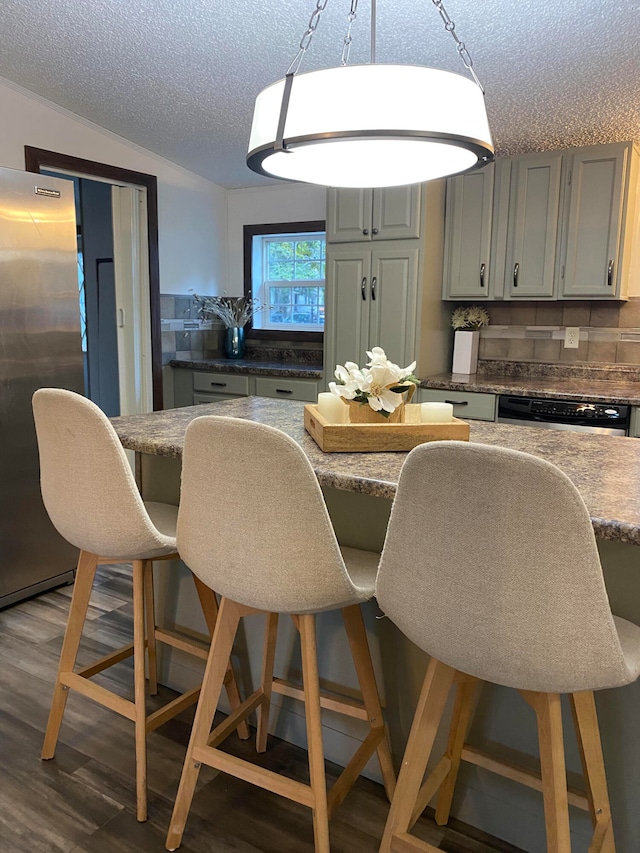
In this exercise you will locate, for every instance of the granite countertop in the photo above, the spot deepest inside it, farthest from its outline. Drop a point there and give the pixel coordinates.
(603, 468)
(293, 370)
(621, 390)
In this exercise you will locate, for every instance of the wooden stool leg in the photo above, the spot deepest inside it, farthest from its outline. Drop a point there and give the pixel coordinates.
(139, 688)
(85, 574)
(317, 777)
(150, 617)
(460, 722)
(221, 646)
(209, 604)
(357, 635)
(583, 708)
(552, 766)
(431, 703)
(268, 661)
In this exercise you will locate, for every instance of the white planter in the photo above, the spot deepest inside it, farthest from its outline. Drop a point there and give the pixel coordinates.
(465, 352)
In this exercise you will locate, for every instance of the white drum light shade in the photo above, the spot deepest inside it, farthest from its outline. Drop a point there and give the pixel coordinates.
(371, 126)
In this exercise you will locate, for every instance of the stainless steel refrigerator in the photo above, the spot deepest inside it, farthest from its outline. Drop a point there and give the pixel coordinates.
(40, 346)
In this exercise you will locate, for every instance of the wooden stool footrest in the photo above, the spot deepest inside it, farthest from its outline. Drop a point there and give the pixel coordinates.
(172, 709)
(186, 644)
(430, 786)
(267, 779)
(354, 768)
(99, 694)
(330, 702)
(531, 778)
(408, 844)
(235, 719)
(107, 661)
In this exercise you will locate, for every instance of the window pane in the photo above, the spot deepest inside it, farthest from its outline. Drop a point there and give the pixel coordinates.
(281, 270)
(309, 249)
(281, 251)
(308, 270)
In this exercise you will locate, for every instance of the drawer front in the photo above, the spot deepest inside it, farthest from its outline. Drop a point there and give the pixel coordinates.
(287, 389)
(466, 405)
(221, 383)
(213, 398)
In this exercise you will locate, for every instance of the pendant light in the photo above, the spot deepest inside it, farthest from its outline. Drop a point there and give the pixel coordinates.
(372, 125)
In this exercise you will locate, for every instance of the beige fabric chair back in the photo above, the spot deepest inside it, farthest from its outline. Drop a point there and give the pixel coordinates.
(490, 565)
(87, 485)
(252, 522)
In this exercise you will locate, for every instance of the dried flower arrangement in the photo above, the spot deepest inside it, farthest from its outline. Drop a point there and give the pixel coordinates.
(469, 318)
(230, 310)
(380, 384)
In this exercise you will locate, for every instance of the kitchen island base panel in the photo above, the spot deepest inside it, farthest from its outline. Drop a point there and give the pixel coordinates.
(482, 799)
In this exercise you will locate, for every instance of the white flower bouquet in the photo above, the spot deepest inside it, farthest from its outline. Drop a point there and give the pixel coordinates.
(381, 384)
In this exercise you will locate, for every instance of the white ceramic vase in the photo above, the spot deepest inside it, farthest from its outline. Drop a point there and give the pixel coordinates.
(465, 352)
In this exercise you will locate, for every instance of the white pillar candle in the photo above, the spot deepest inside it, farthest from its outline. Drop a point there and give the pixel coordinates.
(332, 408)
(436, 413)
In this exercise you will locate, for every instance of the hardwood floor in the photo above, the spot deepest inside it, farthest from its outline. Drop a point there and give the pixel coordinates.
(83, 801)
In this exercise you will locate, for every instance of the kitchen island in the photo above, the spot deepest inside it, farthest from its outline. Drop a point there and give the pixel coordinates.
(359, 488)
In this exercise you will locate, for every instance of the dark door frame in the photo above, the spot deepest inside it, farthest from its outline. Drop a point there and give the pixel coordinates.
(37, 159)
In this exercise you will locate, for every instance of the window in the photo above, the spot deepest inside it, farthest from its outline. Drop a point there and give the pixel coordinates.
(287, 274)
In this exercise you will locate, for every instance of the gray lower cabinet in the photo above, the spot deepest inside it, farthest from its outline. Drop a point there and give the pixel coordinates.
(468, 405)
(194, 387)
(634, 427)
(287, 389)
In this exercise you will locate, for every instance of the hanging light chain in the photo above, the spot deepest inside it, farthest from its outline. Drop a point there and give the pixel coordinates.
(305, 41)
(346, 47)
(464, 54)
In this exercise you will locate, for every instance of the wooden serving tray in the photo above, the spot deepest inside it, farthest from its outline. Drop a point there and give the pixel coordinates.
(367, 438)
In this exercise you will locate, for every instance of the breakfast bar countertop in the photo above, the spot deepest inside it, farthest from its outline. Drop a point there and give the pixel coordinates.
(605, 469)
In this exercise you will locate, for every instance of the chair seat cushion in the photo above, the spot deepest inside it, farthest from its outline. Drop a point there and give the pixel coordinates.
(629, 635)
(362, 567)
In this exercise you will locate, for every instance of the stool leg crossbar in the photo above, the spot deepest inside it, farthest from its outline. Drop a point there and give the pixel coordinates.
(202, 747)
(145, 634)
(412, 794)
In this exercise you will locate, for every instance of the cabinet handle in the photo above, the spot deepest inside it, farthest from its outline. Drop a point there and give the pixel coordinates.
(482, 269)
(374, 230)
(284, 391)
(516, 273)
(374, 281)
(365, 231)
(219, 384)
(363, 289)
(458, 402)
(610, 274)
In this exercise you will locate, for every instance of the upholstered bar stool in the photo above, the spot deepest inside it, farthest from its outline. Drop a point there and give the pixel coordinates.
(273, 552)
(501, 582)
(93, 501)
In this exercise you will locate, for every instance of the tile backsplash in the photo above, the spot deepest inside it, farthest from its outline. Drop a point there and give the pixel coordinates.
(186, 337)
(534, 331)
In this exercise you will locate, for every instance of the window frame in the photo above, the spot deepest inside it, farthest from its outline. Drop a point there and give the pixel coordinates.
(251, 231)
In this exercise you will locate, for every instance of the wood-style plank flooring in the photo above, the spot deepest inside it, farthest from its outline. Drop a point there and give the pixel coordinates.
(83, 801)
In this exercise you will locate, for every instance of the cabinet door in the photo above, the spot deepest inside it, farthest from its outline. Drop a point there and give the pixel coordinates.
(394, 300)
(594, 227)
(469, 210)
(533, 226)
(348, 298)
(349, 215)
(396, 212)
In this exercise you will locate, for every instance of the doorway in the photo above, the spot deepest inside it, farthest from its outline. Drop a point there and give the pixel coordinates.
(130, 191)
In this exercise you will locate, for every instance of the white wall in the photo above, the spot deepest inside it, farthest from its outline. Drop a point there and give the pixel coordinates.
(191, 210)
(280, 203)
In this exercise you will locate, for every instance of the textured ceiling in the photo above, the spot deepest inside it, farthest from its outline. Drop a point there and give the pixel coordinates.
(179, 77)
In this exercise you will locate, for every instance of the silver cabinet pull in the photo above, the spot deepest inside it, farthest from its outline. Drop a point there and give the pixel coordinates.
(374, 281)
(458, 402)
(482, 269)
(284, 391)
(219, 384)
(365, 231)
(363, 288)
(610, 274)
(516, 273)
(374, 230)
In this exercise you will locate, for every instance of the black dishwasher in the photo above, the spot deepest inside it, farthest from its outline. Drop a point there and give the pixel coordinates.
(580, 416)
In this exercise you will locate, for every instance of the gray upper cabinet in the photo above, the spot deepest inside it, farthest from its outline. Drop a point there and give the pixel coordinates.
(532, 231)
(599, 218)
(469, 209)
(556, 225)
(360, 215)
